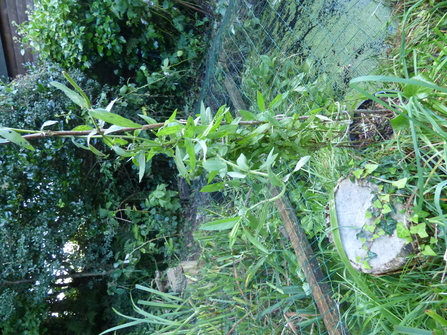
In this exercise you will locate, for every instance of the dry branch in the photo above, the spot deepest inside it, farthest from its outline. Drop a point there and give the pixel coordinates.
(84, 133)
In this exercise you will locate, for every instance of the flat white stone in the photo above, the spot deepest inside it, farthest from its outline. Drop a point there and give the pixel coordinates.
(352, 200)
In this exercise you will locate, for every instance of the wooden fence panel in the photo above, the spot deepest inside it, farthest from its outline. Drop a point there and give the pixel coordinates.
(14, 11)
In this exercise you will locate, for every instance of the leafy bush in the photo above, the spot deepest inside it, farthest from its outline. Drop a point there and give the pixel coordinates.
(118, 37)
(30, 100)
(59, 195)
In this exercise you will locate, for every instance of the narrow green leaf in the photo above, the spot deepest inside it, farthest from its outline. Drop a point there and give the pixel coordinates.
(15, 137)
(252, 270)
(411, 331)
(171, 118)
(298, 166)
(148, 119)
(435, 316)
(213, 187)
(211, 176)
(234, 233)
(118, 141)
(437, 202)
(223, 131)
(270, 118)
(79, 145)
(271, 308)
(201, 144)
(276, 102)
(205, 114)
(247, 116)
(160, 304)
(170, 130)
(260, 100)
(263, 217)
(47, 123)
(234, 174)
(189, 128)
(207, 130)
(228, 117)
(96, 151)
(189, 146)
(72, 95)
(110, 105)
(122, 326)
(141, 164)
(398, 80)
(167, 296)
(273, 178)
(82, 128)
(112, 129)
(115, 119)
(270, 159)
(220, 224)
(178, 159)
(122, 152)
(81, 92)
(255, 242)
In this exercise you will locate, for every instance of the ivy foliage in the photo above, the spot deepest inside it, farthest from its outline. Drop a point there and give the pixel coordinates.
(71, 223)
(121, 37)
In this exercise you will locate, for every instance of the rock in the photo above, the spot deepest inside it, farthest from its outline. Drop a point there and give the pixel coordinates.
(389, 252)
(176, 279)
(176, 275)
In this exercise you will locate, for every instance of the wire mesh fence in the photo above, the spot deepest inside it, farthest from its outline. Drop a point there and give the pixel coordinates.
(283, 275)
(310, 49)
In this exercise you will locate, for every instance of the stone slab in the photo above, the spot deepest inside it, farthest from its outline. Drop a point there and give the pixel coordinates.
(352, 200)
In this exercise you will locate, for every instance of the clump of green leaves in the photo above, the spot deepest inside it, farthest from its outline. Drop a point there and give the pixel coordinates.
(306, 89)
(125, 38)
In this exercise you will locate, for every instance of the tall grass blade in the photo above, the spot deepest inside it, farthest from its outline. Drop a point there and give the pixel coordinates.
(412, 331)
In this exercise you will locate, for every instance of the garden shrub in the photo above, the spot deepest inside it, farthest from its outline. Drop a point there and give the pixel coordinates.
(128, 38)
(58, 194)
(30, 100)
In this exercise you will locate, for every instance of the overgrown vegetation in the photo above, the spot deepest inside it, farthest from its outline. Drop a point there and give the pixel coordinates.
(252, 280)
(409, 165)
(82, 228)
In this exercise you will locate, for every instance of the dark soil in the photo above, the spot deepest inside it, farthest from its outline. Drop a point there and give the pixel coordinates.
(370, 124)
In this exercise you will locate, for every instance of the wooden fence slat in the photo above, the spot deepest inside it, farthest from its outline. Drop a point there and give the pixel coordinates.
(14, 10)
(321, 290)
